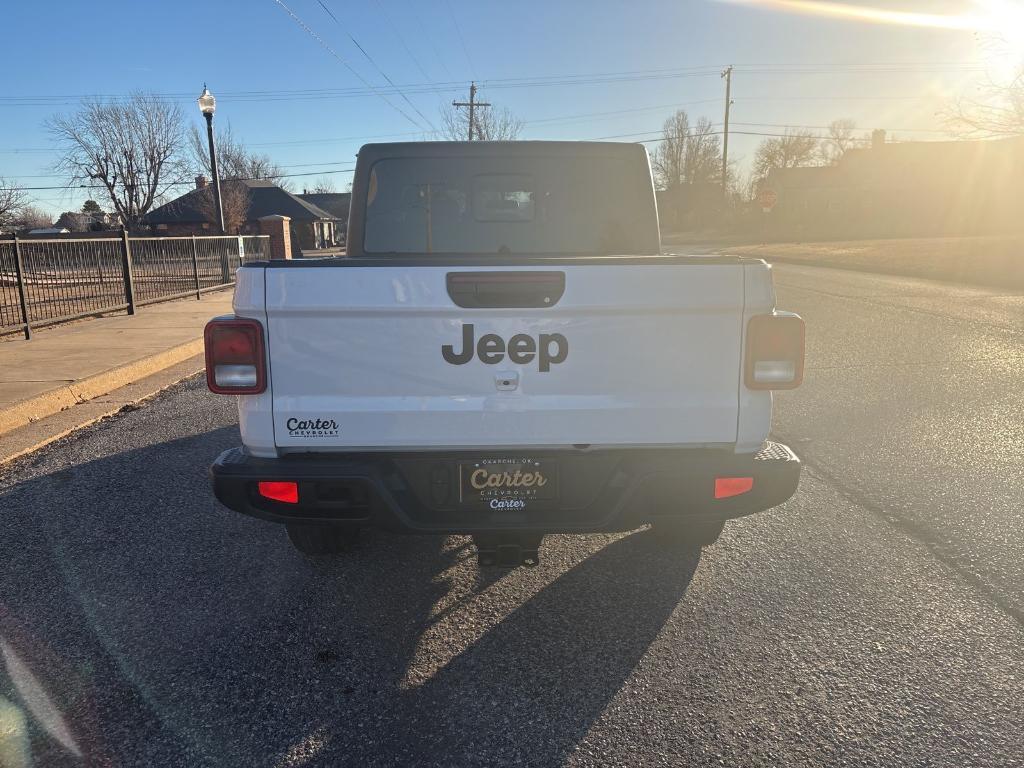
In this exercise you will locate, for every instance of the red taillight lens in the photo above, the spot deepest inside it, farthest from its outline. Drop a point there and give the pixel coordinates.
(280, 491)
(775, 351)
(235, 363)
(732, 486)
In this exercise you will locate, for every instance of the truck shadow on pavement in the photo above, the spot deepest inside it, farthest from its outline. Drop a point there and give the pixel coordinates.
(163, 629)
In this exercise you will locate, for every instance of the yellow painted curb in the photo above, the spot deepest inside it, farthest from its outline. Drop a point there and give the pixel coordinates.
(48, 403)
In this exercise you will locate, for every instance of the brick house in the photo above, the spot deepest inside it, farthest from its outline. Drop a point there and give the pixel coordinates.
(311, 226)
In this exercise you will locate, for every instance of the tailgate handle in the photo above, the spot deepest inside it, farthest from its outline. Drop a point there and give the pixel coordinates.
(506, 289)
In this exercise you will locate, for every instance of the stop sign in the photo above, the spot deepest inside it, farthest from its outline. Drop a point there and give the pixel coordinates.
(767, 198)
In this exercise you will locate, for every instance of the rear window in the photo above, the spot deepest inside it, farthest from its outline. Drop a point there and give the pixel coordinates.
(583, 204)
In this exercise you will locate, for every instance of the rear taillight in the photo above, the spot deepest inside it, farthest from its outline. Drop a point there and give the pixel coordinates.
(775, 351)
(727, 487)
(286, 492)
(235, 362)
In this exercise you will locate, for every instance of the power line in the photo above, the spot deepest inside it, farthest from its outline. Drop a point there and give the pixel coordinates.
(631, 110)
(17, 150)
(370, 90)
(832, 97)
(536, 121)
(329, 92)
(411, 5)
(711, 133)
(827, 127)
(707, 69)
(294, 165)
(345, 63)
(332, 139)
(183, 183)
(458, 30)
(401, 39)
(376, 66)
(499, 83)
(839, 69)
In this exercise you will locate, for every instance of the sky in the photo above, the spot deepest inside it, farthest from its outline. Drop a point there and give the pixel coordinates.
(302, 80)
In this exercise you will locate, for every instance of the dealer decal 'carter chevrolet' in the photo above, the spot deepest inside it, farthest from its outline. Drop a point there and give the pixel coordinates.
(311, 427)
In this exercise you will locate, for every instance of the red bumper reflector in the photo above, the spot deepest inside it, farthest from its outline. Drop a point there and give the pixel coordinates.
(732, 486)
(286, 492)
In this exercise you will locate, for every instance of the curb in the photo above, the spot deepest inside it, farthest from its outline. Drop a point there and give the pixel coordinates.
(48, 403)
(32, 437)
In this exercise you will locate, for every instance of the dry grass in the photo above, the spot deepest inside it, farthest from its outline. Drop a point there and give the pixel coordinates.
(988, 261)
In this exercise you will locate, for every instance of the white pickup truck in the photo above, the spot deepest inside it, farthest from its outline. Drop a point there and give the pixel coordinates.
(505, 353)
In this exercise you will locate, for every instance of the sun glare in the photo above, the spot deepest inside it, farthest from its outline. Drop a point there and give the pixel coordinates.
(998, 23)
(1004, 36)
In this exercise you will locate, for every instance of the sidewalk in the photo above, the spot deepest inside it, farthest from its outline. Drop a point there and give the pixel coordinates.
(64, 366)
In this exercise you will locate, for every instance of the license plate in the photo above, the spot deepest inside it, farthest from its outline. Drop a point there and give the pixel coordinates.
(513, 483)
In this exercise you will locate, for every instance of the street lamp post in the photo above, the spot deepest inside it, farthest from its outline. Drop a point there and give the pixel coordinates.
(207, 105)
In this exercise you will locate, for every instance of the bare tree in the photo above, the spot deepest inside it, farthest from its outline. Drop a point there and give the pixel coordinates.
(704, 154)
(234, 160)
(323, 185)
(31, 217)
(489, 124)
(795, 148)
(999, 112)
(132, 147)
(12, 200)
(234, 199)
(840, 140)
(998, 109)
(687, 155)
(669, 159)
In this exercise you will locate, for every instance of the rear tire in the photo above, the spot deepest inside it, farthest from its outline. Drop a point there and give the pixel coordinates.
(321, 539)
(694, 533)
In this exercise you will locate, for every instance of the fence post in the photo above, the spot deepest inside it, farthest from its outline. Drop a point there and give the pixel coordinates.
(195, 266)
(225, 265)
(19, 278)
(126, 268)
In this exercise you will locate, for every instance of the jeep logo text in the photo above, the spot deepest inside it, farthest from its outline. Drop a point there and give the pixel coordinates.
(549, 349)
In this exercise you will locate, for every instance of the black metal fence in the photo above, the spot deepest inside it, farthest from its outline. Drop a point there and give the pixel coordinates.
(43, 282)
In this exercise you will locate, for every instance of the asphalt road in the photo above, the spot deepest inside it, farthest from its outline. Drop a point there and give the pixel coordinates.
(874, 620)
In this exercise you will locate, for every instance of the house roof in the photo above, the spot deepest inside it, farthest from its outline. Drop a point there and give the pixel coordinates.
(265, 199)
(335, 203)
(861, 165)
(806, 176)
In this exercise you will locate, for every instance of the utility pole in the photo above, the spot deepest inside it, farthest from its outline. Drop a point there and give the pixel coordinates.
(472, 104)
(727, 74)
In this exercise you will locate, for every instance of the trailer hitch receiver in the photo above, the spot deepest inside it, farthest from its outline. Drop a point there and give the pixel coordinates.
(508, 550)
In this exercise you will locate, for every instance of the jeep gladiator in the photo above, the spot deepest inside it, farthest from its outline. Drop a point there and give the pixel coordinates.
(504, 352)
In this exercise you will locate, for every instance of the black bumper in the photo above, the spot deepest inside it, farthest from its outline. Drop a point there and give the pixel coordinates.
(605, 490)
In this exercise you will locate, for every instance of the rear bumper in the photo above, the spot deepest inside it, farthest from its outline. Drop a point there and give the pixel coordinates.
(607, 490)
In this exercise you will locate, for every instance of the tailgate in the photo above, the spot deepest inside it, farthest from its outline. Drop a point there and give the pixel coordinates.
(382, 357)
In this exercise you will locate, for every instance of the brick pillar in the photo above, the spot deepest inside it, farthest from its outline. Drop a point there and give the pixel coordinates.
(279, 228)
